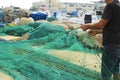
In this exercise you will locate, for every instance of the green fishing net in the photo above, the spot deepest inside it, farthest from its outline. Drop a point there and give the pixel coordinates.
(28, 59)
(50, 19)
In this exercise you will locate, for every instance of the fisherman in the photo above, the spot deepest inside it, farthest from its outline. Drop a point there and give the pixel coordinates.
(110, 23)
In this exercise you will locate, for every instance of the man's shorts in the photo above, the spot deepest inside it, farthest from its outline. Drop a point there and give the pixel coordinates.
(110, 61)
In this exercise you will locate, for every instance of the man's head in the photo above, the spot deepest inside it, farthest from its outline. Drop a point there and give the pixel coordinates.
(109, 1)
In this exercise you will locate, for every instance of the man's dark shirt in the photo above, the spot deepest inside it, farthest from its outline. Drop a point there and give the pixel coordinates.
(111, 31)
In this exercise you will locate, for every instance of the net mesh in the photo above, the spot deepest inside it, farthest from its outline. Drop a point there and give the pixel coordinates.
(28, 59)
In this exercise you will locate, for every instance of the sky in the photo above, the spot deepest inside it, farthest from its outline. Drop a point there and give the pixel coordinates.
(28, 3)
(18, 3)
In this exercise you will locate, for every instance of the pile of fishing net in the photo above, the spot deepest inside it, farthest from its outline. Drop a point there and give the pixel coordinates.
(10, 14)
(91, 41)
(54, 36)
(22, 62)
(28, 59)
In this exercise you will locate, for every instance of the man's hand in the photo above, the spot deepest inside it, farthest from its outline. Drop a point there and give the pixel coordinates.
(94, 31)
(84, 27)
